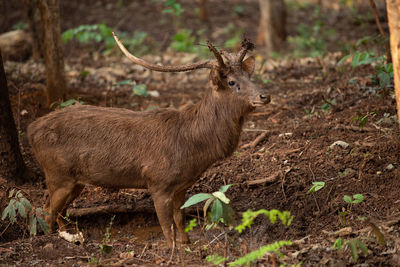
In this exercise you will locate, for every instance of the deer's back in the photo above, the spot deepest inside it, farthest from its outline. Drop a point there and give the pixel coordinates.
(96, 144)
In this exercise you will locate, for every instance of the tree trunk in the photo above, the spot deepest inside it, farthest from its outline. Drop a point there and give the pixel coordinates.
(203, 11)
(52, 49)
(12, 165)
(393, 11)
(272, 27)
(30, 10)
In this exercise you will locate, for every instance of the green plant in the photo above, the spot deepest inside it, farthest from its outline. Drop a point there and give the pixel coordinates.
(106, 245)
(384, 71)
(259, 253)
(67, 103)
(20, 25)
(192, 224)
(363, 119)
(172, 7)
(20, 205)
(327, 106)
(247, 219)
(338, 244)
(355, 244)
(357, 198)
(249, 216)
(384, 74)
(234, 36)
(220, 209)
(137, 89)
(101, 33)
(311, 40)
(238, 10)
(216, 259)
(316, 186)
(93, 260)
(185, 41)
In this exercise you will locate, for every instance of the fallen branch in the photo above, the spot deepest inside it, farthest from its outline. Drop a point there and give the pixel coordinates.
(270, 179)
(115, 208)
(256, 141)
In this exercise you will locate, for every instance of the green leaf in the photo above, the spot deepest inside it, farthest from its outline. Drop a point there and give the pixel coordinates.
(347, 199)
(5, 213)
(206, 205)
(340, 62)
(21, 209)
(140, 89)
(125, 82)
(316, 186)
(215, 259)
(338, 244)
(358, 198)
(353, 249)
(10, 195)
(221, 196)
(228, 214)
(363, 248)
(67, 103)
(196, 199)
(216, 211)
(11, 211)
(192, 224)
(224, 188)
(32, 226)
(43, 224)
(26, 203)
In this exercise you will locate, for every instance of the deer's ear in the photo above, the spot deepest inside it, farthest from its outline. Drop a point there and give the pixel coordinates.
(248, 65)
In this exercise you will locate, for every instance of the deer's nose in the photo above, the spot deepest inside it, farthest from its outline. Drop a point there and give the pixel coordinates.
(265, 98)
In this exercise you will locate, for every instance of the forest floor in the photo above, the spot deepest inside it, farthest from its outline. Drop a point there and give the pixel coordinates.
(314, 104)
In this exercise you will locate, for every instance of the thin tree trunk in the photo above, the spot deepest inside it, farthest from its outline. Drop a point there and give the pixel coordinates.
(272, 27)
(53, 54)
(30, 7)
(12, 165)
(393, 12)
(203, 11)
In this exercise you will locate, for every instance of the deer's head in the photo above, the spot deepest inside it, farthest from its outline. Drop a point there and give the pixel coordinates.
(227, 77)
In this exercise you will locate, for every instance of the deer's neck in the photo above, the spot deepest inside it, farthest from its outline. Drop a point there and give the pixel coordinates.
(215, 124)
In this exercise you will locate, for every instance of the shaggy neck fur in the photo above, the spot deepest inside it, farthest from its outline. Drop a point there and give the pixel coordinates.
(214, 124)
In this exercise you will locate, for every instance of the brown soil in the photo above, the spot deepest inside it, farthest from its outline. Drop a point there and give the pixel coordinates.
(296, 148)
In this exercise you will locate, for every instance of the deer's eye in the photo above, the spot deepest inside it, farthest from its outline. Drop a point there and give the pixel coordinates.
(231, 83)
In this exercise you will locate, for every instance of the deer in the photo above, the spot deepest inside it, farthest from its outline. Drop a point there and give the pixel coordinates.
(162, 150)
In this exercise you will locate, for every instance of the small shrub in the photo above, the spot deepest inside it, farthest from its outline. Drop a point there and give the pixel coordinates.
(316, 186)
(20, 205)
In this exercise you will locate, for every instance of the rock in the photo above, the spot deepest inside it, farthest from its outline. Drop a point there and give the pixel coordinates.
(16, 45)
(154, 93)
(48, 246)
(390, 167)
(342, 144)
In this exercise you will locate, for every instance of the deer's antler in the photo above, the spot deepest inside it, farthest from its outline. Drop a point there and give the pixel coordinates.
(246, 46)
(217, 55)
(204, 64)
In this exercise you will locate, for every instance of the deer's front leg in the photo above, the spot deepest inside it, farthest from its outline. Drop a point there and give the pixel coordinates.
(179, 216)
(163, 204)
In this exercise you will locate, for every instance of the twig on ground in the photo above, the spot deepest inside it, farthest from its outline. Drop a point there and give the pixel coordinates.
(256, 141)
(270, 179)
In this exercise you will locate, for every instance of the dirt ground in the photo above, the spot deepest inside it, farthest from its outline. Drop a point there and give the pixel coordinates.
(313, 106)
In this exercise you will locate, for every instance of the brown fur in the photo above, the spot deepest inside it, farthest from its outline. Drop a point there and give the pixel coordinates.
(164, 150)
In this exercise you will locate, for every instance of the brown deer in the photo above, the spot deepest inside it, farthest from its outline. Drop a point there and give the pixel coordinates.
(163, 150)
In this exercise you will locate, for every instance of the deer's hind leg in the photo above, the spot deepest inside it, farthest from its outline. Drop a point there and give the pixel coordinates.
(76, 191)
(59, 194)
